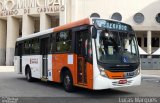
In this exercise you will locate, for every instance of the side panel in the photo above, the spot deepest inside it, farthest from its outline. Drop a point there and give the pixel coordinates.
(89, 76)
(62, 60)
(17, 64)
(35, 64)
(50, 74)
(70, 61)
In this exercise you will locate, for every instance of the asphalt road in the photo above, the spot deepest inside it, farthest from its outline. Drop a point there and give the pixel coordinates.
(14, 85)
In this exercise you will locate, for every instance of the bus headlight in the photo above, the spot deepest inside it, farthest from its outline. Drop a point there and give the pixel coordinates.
(102, 71)
(132, 74)
(138, 70)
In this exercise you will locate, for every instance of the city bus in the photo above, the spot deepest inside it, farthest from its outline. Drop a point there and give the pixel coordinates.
(91, 53)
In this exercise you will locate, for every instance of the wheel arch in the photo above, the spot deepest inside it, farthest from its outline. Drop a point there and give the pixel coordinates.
(27, 67)
(63, 70)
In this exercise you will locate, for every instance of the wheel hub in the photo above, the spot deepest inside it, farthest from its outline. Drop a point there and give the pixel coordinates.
(67, 81)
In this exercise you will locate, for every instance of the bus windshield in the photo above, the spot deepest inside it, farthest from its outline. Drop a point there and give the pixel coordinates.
(116, 47)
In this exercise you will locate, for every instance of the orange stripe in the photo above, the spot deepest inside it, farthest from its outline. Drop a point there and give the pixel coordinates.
(71, 25)
(115, 75)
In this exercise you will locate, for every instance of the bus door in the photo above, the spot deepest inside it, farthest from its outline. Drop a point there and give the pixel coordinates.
(20, 48)
(44, 53)
(81, 57)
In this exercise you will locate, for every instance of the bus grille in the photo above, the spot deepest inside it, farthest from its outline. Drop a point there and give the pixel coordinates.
(122, 69)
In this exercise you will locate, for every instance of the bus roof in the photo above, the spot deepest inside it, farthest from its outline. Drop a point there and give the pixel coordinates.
(72, 24)
(56, 29)
(59, 28)
(35, 34)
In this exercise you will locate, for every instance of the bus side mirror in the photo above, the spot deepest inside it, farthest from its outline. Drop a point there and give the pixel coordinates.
(93, 31)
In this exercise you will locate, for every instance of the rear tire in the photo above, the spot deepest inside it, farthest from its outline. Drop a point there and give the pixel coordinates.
(28, 75)
(68, 82)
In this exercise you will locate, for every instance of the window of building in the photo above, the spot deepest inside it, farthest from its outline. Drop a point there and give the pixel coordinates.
(139, 41)
(158, 17)
(54, 21)
(36, 24)
(95, 15)
(138, 18)
(116, 16)
(145, 42)
(63, 41)
(20, 27)
(155, 42)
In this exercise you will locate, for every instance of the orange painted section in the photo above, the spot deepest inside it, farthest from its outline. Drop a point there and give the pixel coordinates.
(58, 62)
(89, 76)
(114, 75)
(61, 60)
(71, 25)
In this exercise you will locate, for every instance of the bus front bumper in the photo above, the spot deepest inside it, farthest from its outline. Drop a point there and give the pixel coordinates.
(100, 82)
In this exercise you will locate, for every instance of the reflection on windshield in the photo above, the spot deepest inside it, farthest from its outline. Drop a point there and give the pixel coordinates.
(116, 47)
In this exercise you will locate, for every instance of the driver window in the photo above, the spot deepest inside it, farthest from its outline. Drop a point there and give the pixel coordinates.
(108, 43)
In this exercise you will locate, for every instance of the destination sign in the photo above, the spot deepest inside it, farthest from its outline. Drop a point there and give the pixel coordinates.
(112, 25)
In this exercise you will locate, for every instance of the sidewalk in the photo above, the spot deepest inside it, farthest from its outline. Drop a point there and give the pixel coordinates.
(151, 72)
(6, 68)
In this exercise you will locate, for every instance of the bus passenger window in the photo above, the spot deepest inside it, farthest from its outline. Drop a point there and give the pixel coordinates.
(27, 48)
(35, 46)
(63, 41)
(52, 43)
(16, 49)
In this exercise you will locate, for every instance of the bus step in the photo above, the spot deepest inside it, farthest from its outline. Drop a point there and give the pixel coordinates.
(44, 79)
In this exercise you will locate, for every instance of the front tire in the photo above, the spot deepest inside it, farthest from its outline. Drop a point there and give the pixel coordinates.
(68, 82)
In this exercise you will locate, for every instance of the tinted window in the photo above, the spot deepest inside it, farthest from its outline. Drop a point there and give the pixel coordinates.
(84, 45)
(63, 41)
(52, 43)
(19, 49)
(26, 47)
(16, 50)
(35, 46)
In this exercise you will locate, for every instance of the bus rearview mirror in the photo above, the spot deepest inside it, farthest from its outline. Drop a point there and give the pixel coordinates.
(93, 31)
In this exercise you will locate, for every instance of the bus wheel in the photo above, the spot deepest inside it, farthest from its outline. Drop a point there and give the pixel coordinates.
(68, 82)
(28, 75)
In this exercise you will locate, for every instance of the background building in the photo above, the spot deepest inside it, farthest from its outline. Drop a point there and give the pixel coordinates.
(24, 17)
